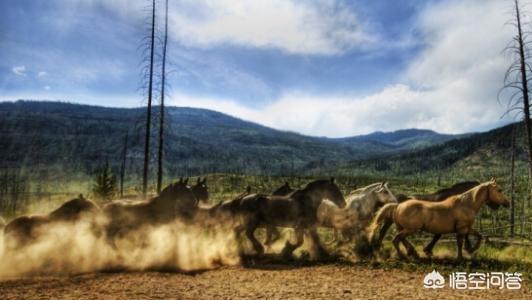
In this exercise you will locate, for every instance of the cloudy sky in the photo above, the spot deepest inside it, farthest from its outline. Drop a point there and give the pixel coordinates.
(325, 67)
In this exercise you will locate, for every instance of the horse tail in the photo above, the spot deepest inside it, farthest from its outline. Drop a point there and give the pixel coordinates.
(383, 217)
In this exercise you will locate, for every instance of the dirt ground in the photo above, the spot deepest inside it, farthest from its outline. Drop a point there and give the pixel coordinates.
(330, 281)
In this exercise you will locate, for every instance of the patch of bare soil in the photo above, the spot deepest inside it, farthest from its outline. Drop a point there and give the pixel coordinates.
(255, 280)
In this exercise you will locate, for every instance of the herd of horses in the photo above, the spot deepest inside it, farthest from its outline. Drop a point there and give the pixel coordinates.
(367, 211)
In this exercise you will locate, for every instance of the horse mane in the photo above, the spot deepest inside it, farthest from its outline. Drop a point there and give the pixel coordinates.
(365, 189)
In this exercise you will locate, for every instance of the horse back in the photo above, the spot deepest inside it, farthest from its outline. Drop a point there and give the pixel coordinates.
(73, 209)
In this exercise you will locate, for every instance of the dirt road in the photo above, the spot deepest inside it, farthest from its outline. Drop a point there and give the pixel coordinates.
(271, 282)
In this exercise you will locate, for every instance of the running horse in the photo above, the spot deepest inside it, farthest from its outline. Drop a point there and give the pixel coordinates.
(455, 214)
(175, 201)
(297, 210)
(24, 230)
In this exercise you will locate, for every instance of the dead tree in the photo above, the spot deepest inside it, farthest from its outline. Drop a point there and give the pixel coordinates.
(148, 112)
(123, 166)
(517, 79)
(512, 177)
(161, 117)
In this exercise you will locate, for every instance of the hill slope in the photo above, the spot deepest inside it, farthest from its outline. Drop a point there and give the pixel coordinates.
(487, 152)
(62, 138)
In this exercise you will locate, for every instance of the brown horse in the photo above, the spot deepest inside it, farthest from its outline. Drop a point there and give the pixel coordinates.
(440, 195)
(176, 200)
(23, 230)
(272, 233)
(297, 210)
(455, 214)
(201, 191)
(284, 190)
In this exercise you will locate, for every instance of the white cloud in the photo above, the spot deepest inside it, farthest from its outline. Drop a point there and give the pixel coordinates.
(19, 70)
(450, 87)
(303, 27)
(42, 74)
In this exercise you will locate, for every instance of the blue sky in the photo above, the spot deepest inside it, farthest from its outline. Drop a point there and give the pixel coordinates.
(324, 67)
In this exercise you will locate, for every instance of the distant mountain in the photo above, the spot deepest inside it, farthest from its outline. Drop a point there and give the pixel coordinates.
(470, 155)
(59, 139)
(405, 138)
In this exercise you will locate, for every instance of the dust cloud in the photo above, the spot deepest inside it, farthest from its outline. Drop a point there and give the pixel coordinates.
(76, 247)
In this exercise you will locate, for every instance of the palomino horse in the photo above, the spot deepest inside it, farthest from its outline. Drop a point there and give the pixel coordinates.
(2, 223)
(442, 194)
(365, 202)
(455, 214)
(297, 210)
(23, 230)
(201, 190)
(176, 200)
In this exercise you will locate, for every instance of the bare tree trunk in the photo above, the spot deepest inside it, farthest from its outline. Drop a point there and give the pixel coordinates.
(512, 176)
(526, 101)
(148, 113)
(123, 166)
(161, 118)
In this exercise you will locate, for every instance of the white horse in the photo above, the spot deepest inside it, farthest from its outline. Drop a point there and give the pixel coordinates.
(365, 202)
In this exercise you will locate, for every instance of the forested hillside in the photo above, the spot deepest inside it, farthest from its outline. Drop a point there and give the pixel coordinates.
(63, 139)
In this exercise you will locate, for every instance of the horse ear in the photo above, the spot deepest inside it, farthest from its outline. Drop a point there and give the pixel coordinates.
(198, 181)
(180, 179)
(186, 181)
(205, 180)
(383, 183)
(332, 179)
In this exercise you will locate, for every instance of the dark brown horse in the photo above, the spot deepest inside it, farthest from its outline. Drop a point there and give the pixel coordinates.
(297, 210)
(272, 233)
(201, 191)
(23, 230)
(441, 194)
(284, 190)
(175, 201)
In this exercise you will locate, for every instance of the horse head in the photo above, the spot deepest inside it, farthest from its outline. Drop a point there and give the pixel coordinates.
(325, 189)
(384, 194)
(179, 195)
(283, 190)
(495, 196)
(201, 190)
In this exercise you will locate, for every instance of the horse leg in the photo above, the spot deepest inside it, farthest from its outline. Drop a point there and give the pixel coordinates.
(272, 235)
(401, 238)
(459, 244)
(430, 246)
(317, 244)
(410, 248)
(470, 249)
(383, 231)
(289, 247)
(250, 233)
